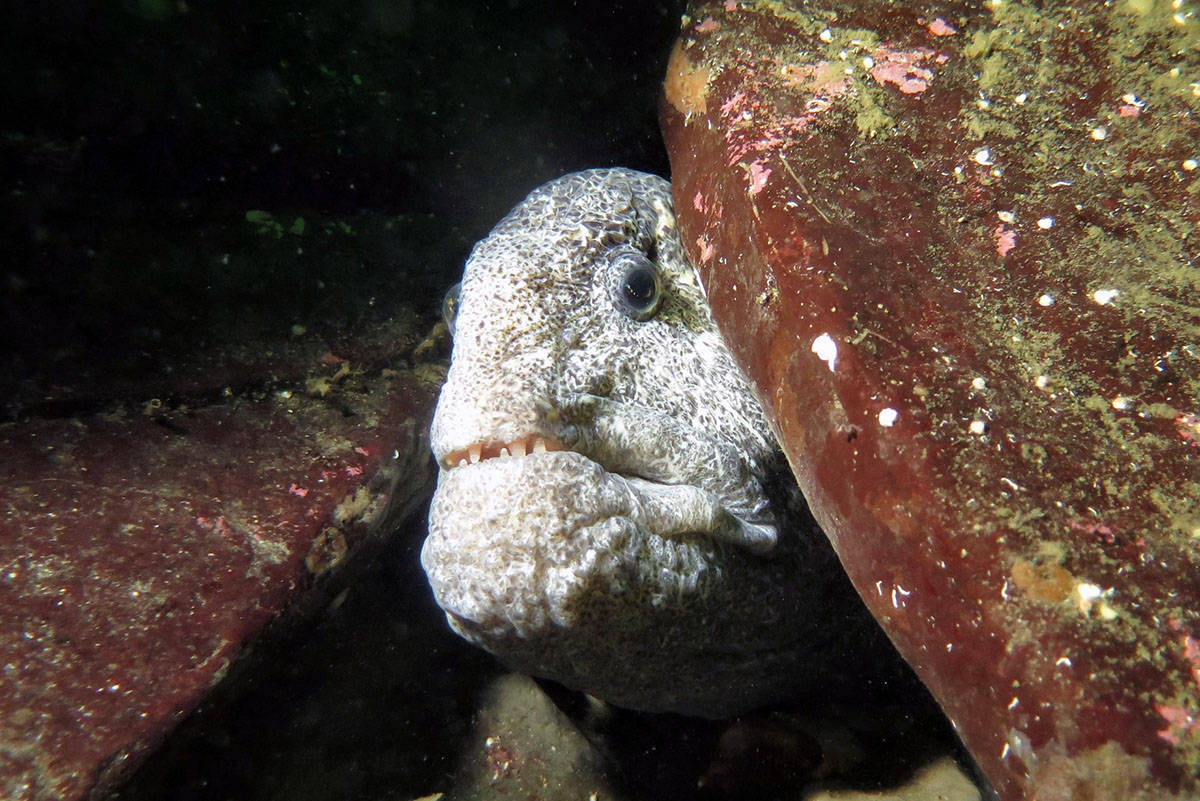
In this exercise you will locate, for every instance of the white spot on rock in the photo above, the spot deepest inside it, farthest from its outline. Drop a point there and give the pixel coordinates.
(1105, 296)
(888, 417)
(826, 350)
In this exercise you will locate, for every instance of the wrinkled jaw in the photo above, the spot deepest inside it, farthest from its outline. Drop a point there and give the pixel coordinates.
(524, 545)
(565, 555)
(553, 508)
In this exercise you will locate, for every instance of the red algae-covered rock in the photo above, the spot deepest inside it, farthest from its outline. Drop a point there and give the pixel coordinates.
(141, 553)
(954, 246)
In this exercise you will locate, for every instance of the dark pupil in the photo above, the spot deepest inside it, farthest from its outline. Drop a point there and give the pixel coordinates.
(639, 288)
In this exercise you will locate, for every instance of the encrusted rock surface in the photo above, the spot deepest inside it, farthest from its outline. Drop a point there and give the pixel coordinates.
(954, 245)
(142, 551)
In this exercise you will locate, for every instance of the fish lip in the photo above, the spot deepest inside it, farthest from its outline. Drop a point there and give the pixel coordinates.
(485, 449)
(757, 520)
(658, 509)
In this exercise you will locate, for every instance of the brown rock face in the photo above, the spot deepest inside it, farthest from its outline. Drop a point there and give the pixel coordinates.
(955, 248)
(141, 556)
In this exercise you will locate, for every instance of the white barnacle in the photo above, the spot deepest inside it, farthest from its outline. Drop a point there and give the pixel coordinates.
(826, 349)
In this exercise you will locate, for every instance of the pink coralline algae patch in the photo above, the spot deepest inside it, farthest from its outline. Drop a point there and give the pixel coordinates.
(745, 133)
(939, 27)
(1088, 527)
(822, 82)
(905, 69)
(1116, 544)
(735, 105)
(1180, 723)
(1191, 650)
(1189, 429)
(1006, 240)
(701, 205)
(821, 78)
(1129, 110)
(705, 247)
(758, 177)
(708, 25)
(741, 146)
(217, 524)
(297, 490)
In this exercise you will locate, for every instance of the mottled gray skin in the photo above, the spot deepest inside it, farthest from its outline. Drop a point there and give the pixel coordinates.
(654, 562)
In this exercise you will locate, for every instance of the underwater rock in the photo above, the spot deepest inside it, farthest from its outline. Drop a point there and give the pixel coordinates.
(142, 553)
(953, 246)
(523, 746)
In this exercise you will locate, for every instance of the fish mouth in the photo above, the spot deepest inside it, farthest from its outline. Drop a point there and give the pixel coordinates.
(679, 474)
(490, 449)
(677, 504)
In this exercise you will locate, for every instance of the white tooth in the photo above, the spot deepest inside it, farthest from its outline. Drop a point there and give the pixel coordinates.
(518, 448)
(474, 452)
(539, 445)
(504, 452)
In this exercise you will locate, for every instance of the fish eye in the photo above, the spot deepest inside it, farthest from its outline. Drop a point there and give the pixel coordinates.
(638, 286)
(450, 306)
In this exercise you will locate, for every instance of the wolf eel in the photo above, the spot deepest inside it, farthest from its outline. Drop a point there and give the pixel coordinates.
(612, 510)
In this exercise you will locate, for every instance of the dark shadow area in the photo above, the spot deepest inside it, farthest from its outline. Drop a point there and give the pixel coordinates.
(372, 700)
(188, 186)
(872, 747)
